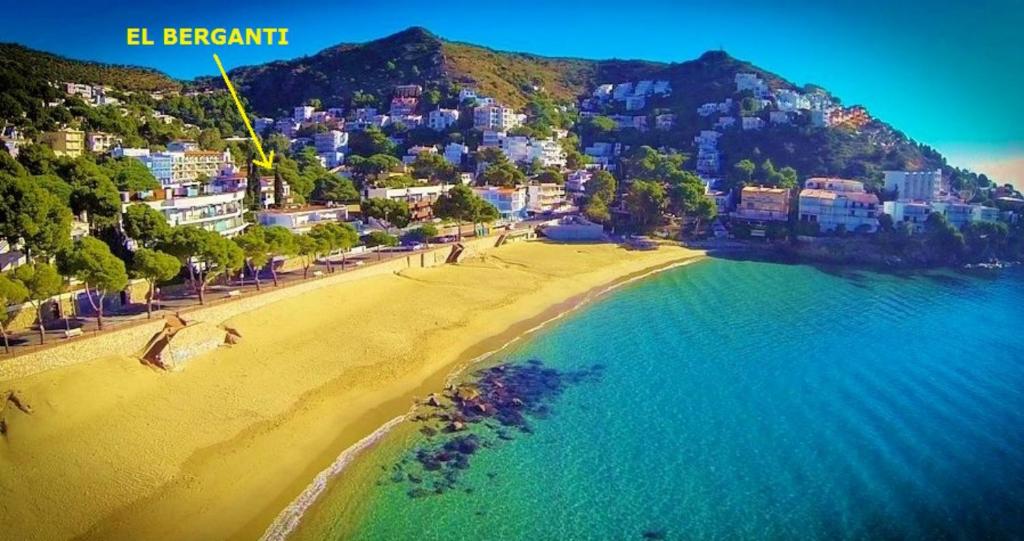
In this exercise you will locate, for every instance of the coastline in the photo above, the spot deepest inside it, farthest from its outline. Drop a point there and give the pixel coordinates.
(170, 456)
(289, 519)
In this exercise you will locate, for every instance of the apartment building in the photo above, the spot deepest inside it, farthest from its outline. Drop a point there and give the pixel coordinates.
(66, 142)
(419, 198)
(100, 142)
(217, 206)
(758, 204)
(544, 197)
(510, 202)
(839, 204)
(496, 117)
(914, 185)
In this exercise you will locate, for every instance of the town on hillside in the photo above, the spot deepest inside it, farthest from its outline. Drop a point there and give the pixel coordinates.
(104, 187)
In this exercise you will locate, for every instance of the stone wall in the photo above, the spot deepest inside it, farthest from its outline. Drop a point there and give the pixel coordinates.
(131, 340)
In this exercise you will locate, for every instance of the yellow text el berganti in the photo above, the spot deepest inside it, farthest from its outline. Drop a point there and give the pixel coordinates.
(199, 36)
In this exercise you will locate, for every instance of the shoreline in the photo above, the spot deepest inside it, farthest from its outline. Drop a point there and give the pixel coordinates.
(173, 455)
(290, 518)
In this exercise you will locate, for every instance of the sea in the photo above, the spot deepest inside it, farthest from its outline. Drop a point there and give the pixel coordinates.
(727, 399)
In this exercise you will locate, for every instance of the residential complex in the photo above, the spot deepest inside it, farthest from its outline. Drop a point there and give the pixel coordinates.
(914, 186)
(66, 142)
(510, 202)
(758, 204)
(838, 204)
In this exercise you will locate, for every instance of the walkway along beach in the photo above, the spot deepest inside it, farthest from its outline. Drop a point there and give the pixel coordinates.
(114, 449)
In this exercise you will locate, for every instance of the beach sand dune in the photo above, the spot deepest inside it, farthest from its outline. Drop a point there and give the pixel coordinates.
(114, 449)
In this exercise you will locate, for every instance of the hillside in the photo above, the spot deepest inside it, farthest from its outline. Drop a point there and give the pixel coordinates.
(18, 63)
(365, 74)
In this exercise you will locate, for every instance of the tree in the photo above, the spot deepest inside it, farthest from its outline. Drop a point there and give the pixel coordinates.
(596, 210)
(154, 266)
(741, 174)
(375, 165)
(504, 174)
(92, 192)
(207, 255)
(602, 186)
(254, 246)
(462, 205)
(130, 175)
(42, 281)
(381, 238)
(145, 224)
(422, 234)
(34, 216)
(945, 244)
(253, 188)
(307, 248)
(278, 188)
(371, 141)
(12, 291)
(334, 189)
(103, 273)
(550, 176)
(434, 168)
(210, 139)
(280, 242)
(645, 201)
(392, 211)
(332, 236)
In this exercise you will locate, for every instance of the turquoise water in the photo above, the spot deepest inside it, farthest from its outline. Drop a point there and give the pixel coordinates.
(744, 400)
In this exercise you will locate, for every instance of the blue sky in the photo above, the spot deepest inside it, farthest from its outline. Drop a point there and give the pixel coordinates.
(947, 73)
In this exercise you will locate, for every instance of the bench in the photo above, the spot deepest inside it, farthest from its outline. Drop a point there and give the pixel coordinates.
(71, 333)
(233, 293)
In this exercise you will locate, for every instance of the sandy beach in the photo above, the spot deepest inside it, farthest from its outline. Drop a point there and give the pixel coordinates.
(118, 450)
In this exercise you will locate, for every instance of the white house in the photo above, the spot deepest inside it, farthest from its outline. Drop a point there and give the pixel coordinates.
(302, 113)
(752, 123)
(442, 119)
(635, 103)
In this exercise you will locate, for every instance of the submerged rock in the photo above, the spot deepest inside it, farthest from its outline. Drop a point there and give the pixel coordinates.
(499, 398)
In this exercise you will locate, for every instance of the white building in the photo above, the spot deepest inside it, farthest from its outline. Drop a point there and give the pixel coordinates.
(752, 123)
(177, 167)
(302, 219)
(217, 206)
(643, 88)
(622, 91)
(467, 94)
(260, 124)
(914, 185)
(725, 122)
(548, 152)
(635, 103)
(664, 121)
(454, 153)
(442, 119)
(496, 117)
(330, 141)
(576, 182)
(832, 203)
(544, 197)
(603, 92)
(957, 213)
(302, 113)
(662, 88)
(778, 117)
(791, 101)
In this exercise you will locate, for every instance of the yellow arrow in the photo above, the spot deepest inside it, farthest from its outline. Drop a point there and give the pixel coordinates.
(264, 161)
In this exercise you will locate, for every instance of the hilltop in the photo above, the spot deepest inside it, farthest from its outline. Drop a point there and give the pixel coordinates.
(19, 64)
(359, 74)
(417, 56)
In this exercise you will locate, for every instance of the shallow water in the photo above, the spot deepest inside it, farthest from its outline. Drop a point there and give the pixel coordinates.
(745, 400)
